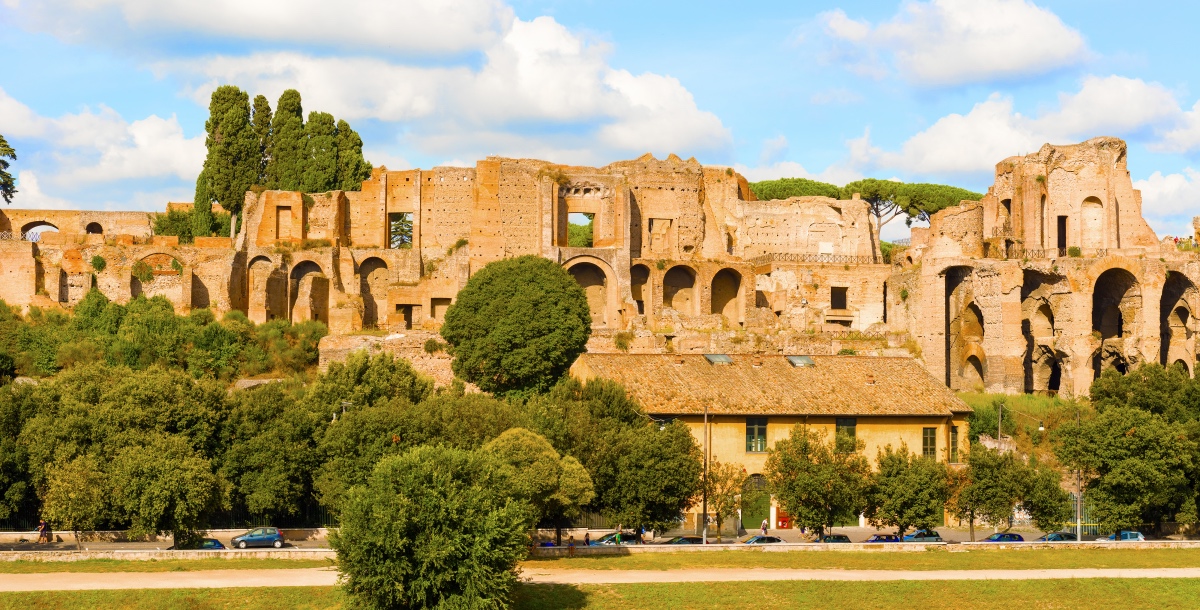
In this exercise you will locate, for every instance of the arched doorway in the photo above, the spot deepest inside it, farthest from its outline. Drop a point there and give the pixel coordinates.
(595, 285)
(726, 285)
(32, 231)
(1092, 223)
(1116, 308)
(679, 290)
(308, 291)
(93, 228)
(639, 283)
(1175, 309)
(373, 283)
(266, 291)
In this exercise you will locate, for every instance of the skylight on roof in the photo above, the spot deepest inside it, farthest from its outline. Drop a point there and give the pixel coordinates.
(801, 361)
(718, 359)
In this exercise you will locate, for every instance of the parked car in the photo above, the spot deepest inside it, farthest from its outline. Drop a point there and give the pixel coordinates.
(836, 539)
(611, 539)
(1127, 536)
(763, 540)
(204, 544)
(683, 540)
(1058, 537)
(923, 536)
(259, 536)
(883, 538)
(1004, 537)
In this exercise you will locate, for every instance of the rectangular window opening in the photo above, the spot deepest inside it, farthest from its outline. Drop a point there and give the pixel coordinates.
(405, 315)
(953, 444)
(846, 434)
(837, 297)
(929, 442)
(756, 435)
(1062, 232)
(400, 230)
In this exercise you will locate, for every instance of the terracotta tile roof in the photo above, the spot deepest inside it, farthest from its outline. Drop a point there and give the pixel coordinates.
(671, 384)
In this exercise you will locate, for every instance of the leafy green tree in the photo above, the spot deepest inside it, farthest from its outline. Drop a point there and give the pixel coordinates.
(352, 444)
(321, 162)
(817, 484)
(646, 475)
(16, 489)
(1139, 467)
(723, 489)
(889, 199)
(164, 485)
(907, 491)
(76, 496)
(1043, 498)
(432, 527)
(352, 168)
(261, 121)
(555, 486)
(363, 380)
(232, 164)
(8, 186)
(988, 489)
(517, 325)
(580, 235)
(784, 188)
(288, 150)
(1153, 388)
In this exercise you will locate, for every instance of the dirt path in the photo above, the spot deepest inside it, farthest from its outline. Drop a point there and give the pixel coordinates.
(326, 577)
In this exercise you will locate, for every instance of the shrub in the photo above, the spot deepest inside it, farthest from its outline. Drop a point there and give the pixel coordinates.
(98, 263)
(903, 294)
(1074, 252)
(432, 527)
(143, 272)
(845, 351)
(433, 346)
(622, 340)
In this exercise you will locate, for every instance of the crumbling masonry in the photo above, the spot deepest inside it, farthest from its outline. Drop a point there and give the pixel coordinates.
(1050, 279)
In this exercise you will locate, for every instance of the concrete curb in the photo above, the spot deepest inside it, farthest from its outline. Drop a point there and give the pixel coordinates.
(156, 555)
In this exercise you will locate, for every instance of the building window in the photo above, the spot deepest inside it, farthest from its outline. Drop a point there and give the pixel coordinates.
(756, 434)
(846, 435)
(929, 442)
(953, 444)
(837, 297)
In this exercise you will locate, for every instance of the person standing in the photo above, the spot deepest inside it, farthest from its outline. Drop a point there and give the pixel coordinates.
(571, 546)
(587, 539)
(764, 527)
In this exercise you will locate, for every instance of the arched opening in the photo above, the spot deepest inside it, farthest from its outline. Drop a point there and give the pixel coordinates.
(267, 291)
(972, 324)
(308, 291)
(972, 374)
(1116, 303)
(1042, 220)
(1175, 319)
(725, 287)
(93, 228)
(956, 298)
(1041, 323)
(1092, 223)
(373, 282)
(639, 280)
(1054, 383)
(1182, 366)
(32, 231)
(678, 287)
(158, 274)
(595, 286)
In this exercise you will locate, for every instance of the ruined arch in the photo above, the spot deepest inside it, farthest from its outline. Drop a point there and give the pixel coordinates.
(32, 231)
(308, 292)
(1116, 303)
(93, 228)
(959, 294)
(679, 289)
(725, 295)
(373, 283)
(595, 285)
(1176, 310)
(160, 273)
(639, 286)
(266, 287)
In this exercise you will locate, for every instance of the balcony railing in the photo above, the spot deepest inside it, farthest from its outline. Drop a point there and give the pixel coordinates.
(789, 257)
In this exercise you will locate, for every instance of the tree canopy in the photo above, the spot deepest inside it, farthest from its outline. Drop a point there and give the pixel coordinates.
(232, 163)
(907, 491)
(517, 325)
(817, 484)
(8, 187)
(784, 188)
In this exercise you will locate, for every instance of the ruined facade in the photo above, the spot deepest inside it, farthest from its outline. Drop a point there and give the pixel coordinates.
(1053, 276)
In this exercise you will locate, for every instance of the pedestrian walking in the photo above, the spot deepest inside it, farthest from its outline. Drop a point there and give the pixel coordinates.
(43, 531)
(764, 527)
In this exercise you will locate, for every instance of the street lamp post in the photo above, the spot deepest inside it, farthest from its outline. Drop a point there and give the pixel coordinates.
(704, 487)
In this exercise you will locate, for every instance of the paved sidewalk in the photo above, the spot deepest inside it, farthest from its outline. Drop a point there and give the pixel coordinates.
(583, 577)
(200, 579)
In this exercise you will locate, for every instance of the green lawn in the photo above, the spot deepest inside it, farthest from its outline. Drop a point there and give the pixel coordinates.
(933, 595)
(1030, 559)
(154, 565)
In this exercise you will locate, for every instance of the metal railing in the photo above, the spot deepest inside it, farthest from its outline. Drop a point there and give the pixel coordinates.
(789, 257)
(10, 236)
(1057, 253)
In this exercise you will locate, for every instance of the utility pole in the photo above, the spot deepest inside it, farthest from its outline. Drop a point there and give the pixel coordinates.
(1078, 491)
(704, 488)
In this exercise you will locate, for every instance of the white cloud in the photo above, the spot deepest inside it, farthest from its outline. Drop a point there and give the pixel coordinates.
(993, 130)
(412, 26)
(1185, 136)
(835, 96)
(1169, 201)
(31, 196)
(773, 149)
(950, 42)
(539, 72)
(774, 171)
(17, 120)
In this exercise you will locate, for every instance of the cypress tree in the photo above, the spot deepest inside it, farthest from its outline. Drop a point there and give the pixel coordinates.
(352, 167)
(262, 129)
(320, 172)
(231, 166)
(287, 150)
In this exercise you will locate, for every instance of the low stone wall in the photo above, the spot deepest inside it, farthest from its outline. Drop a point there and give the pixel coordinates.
(312, 533)
(156, 555)
(787, 547)
(1097, 544)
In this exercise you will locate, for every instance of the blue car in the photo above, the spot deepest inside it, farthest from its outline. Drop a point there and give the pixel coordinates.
(883, 538)
(1004, 537)
(204, 544)
(763, 540)
(260, 536)
(923, 536)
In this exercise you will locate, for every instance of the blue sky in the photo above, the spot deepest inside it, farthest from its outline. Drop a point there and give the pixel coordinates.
(105, 100)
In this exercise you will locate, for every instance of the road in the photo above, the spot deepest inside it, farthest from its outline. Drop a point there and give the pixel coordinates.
(326, 577)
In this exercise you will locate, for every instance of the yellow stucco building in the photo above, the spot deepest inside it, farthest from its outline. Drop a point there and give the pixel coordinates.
(751, 401)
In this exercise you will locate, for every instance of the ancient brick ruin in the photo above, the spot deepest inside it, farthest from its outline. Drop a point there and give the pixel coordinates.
(1049, 279)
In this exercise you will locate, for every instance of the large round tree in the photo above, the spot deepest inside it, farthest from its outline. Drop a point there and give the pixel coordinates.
(517, 325)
